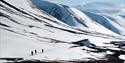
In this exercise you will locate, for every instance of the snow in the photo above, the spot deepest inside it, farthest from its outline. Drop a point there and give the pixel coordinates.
(14, 45)
(109, 52)
(121, 29)
(71, 16)
(13, 48)
(18, 45)
(92, 25)
(57, 11)
(122, 57)
(26, 34)
(107, 14)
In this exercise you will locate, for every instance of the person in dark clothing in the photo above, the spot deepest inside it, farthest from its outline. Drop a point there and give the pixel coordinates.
(42, 50)
(35, 51)
(31, 52)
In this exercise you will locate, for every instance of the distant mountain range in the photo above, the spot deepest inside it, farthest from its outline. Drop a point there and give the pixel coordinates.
(58, 32)
(110, 15)
(102, 7)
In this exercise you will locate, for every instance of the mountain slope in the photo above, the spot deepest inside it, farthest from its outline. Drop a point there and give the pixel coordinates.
(109, 22)
(71, 16)
(24, 28)
(110, 15)
(14, 23)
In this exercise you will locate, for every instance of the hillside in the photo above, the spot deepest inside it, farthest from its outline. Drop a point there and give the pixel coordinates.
(26, 27)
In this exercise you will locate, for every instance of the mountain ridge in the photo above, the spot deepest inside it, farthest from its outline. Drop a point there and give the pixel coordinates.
(25, 28)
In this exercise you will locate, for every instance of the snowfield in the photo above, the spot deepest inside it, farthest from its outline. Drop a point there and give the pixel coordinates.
(24, 27)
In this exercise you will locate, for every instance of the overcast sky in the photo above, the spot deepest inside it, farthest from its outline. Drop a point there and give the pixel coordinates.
(78, 2)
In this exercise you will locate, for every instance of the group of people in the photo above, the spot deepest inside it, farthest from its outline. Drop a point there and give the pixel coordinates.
(35, 52)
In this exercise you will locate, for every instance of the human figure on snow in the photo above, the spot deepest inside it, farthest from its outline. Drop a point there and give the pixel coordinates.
(35, 51)
(42, 50)
(31, 52)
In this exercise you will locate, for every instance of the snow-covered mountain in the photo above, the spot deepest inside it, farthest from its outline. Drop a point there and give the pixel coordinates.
(64, 34)
(114, 23)
(110, 15)
(71, 16)
(102, 7)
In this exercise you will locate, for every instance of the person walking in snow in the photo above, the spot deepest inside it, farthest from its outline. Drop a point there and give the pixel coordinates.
(35, 51)
(31, 52)
(42, 50)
